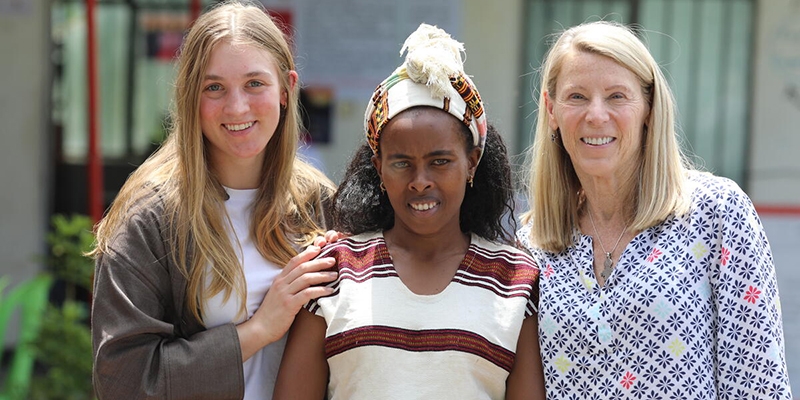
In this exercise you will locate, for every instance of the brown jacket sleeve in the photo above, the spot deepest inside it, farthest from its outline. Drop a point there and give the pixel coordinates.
(145, 345)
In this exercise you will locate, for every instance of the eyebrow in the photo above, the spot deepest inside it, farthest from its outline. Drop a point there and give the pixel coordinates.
(618, 87)
(436, 153)
(607, 89)
(251, 74)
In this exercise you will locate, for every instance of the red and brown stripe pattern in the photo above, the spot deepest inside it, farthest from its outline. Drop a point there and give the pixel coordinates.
(505, 273)
(431, 340)
(357, 261)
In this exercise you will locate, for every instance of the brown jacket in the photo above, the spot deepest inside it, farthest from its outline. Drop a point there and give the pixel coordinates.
(147, 344)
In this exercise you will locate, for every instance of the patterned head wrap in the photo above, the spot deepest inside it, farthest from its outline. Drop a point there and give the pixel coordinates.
(432, 75)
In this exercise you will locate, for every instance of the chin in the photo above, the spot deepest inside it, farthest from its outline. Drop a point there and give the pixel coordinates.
(597, 168)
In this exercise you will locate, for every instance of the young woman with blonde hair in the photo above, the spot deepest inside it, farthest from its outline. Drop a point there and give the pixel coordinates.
(198, 273)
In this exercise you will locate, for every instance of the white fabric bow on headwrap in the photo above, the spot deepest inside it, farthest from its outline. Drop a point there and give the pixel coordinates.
(432, 75)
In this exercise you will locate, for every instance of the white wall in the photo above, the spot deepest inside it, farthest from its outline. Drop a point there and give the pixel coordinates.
(348, 48)
(774, 162)
(783, 232)
(775, 143)
(23, 174)
(492, 35)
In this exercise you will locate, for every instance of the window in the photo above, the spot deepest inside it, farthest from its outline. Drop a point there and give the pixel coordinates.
(704, 48)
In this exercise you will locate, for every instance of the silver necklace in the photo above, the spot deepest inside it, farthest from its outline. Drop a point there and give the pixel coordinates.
(608, 265)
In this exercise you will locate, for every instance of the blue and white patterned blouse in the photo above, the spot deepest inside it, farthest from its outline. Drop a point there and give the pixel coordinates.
(691, 310)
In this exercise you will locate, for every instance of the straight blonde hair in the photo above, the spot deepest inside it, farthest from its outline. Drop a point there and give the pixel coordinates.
(554, 191)
(287, 209)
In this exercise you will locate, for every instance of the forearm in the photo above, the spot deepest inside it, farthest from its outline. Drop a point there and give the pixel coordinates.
(526, 380)
(142, 349)
(141, 365)
(750, 351)
(304, 367)
(252, 338)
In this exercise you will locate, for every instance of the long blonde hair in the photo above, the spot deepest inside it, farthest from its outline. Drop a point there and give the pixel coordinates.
(553, 186)
(288, 204)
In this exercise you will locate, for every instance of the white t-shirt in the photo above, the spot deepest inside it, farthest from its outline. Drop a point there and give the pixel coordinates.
(261, 369)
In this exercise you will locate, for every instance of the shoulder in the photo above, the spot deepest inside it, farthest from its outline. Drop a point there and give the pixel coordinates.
(353, 244)
(714, 192)
(358, 253)
(708, 183)
(510, 254)
(501, 263)
(525, 241)
(144, 218)
(138, 245)
(524, 236)
(151, 207)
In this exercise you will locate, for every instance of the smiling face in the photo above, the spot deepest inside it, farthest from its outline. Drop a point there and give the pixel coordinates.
(424, 165)
(240, 106)
(600, 109)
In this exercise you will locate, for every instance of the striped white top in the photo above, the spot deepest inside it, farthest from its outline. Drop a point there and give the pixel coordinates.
(384, 341)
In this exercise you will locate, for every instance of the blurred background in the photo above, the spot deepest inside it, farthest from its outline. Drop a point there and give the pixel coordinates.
(734, 66)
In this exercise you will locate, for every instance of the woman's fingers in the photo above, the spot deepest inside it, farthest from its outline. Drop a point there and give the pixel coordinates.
(329, 237)
(302, 273)
(310, 273)
(312, 292)
(335, 236)
(304, 262)
(302, 279)
(304, 256)
(332, 236)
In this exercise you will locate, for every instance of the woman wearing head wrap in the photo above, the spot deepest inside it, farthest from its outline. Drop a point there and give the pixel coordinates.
(657, 280)
(432, 301)
(198, 273)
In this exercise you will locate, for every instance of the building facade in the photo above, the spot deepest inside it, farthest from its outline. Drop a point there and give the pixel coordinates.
(734, 66)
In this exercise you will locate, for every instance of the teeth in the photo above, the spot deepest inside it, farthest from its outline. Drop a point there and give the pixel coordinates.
(239, 127)
(424, 206)
(598, 141)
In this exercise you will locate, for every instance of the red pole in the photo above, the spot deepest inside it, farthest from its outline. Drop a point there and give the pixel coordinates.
(94, 162)
(194, 10)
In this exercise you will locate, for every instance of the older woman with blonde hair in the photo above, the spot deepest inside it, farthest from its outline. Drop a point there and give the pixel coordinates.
(198, 273)
(657, 280)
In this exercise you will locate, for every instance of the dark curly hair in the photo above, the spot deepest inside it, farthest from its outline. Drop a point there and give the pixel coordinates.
(488, 209)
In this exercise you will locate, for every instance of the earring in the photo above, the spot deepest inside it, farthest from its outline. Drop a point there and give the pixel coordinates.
(383, 188)
(469, 180)
(555, 135)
